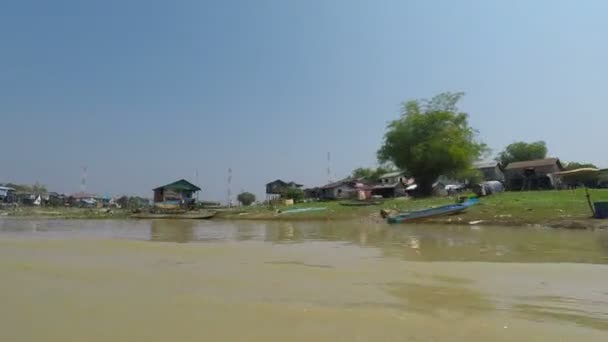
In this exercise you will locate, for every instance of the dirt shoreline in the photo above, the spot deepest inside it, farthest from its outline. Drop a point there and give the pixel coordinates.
(464, 219)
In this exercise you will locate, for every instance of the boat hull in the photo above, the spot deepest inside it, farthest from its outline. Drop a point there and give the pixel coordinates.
(449, 209)
(174, 216)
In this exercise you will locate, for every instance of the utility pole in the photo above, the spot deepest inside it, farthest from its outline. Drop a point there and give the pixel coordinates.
(83, 182)
(229, 197)
(328, 167)
(196, 176)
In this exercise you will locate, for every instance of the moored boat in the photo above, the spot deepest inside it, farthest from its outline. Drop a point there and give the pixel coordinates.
(192, 216)
(432, 212)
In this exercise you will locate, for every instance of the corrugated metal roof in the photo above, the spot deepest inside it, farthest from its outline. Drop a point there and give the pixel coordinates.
(335, 184)
(576, 172)
(385, 186)
(533, 163)
(392, 174)
(279, 181)
(181, 184)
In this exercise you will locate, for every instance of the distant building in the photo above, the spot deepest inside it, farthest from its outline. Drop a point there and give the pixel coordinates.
(345, 189)
(312, 193)
(180, 192)
(491, 171)
(390, 190)
(533, 174)
(82, 199)
(7, 195)
(278, 186)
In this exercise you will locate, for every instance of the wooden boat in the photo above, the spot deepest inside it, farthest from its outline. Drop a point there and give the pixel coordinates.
(191, 216)
(449, 209)
(300, 210)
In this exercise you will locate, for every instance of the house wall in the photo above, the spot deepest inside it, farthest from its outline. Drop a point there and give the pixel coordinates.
(275, 188)
(492, 173)
(162, 195)
(392, 180)
(340, 192)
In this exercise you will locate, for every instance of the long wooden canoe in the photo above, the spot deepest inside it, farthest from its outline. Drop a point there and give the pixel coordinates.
(432, 212)
(198, 216)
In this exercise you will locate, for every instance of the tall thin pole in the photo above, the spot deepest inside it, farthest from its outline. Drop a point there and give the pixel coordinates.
(229, 197)
(83, 182)
(328, 167)
(197, 184)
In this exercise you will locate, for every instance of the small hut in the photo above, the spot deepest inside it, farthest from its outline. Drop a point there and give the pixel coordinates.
(533, 174)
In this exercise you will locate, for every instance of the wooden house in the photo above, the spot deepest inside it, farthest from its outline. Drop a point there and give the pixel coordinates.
(180, 192)
(344, 189)
(278, 186)
(390, 190)
(533, 174)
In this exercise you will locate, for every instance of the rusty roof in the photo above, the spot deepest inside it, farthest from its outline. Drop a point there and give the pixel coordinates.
(533, 163)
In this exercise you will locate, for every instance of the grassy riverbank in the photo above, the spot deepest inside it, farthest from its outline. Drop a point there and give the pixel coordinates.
(567, 208)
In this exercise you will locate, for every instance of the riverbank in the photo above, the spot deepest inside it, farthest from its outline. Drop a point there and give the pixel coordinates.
(563, 209)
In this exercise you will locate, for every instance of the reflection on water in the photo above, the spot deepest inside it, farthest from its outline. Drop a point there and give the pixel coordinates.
(411, 242)
(179, 231)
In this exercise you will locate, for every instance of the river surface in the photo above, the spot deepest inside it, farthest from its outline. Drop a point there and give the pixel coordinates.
(275, 281)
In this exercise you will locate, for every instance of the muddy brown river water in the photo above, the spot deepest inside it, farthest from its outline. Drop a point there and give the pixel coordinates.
(274, 281)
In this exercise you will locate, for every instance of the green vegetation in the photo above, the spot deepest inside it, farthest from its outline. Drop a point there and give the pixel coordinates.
(430, 139)
(566, 208)
(292, 193)
(65, 213)
(575, 165)
(522, 151)
(246, 198)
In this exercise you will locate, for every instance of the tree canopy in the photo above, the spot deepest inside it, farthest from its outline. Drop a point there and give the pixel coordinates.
(522, 151)
(293, 193)
(371, 174)
(575, 165)
(246, 198)
(431, 138)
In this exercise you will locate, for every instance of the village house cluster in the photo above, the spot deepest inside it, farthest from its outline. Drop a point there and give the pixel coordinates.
(540, 174)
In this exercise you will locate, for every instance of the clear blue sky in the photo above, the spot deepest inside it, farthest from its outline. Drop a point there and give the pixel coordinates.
(146, 92)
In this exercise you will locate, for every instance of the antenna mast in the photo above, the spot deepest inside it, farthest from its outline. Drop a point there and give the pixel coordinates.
(83, 182)
(229, 197)
(196, 176)
(328, 167)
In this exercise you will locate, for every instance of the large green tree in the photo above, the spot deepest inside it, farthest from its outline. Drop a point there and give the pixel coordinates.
(246, 198)
(431, 138)
(522, 151)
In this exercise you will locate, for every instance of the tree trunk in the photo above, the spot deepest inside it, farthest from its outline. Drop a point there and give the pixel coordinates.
(425, 185)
